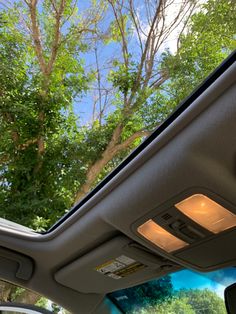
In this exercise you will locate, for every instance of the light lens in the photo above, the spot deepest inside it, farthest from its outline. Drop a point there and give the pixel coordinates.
(207, 213)
(160, 237)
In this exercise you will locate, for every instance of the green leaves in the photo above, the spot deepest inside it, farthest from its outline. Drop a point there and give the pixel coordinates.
(115, 27)
(158, 296)
(208, 41)
(124, 77)
(36, 190)
(45, 150)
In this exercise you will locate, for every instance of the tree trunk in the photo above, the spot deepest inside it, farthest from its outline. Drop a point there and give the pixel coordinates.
(8, 290)
(5, 291)
(113, 148)
(28, 297)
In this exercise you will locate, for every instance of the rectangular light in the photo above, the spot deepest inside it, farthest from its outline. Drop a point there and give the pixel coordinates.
(207, 213)
(160, 237)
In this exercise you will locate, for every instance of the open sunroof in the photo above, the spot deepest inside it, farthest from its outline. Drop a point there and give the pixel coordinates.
(182, 106)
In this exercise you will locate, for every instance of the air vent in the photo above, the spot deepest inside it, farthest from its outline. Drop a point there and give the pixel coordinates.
(166, 216)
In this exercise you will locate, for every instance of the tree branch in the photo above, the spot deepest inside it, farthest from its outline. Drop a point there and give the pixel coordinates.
(185, 24)
(36, 35)
(144, 54)
(120, 23)
(124, 145)
(57, 34)
(27, 144)
(113, 148)
(99, 85)
(136, 23)
(157, 83)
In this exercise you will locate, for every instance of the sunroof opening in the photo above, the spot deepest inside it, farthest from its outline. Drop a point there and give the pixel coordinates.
(81, 90)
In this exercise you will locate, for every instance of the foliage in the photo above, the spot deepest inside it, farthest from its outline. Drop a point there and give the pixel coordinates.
(173, 306)
(145, 295)
(46, 154)
(124, 78)
(208, 41)
(30, 194)
(159, 297)
(203, 301)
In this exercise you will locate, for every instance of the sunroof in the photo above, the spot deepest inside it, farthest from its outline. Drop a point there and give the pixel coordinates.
(84, 84)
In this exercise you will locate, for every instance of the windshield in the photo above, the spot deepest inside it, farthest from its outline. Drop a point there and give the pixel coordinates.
(183, 292)
(83, 83)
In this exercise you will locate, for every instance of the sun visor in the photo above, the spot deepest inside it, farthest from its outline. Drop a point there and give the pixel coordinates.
(116, 264)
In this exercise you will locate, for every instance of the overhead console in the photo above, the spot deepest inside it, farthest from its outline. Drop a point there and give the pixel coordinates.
(197, 227)
(114, 265)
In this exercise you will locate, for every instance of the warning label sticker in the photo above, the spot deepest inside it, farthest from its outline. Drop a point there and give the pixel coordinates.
(119, 267)
(109, 267)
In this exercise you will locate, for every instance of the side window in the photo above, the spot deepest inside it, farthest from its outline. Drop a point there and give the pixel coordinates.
(16, 294)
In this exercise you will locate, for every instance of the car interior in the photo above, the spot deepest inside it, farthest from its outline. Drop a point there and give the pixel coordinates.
(170, 205)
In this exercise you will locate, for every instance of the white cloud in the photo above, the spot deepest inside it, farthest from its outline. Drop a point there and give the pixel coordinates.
(219, 290)
(172, 10)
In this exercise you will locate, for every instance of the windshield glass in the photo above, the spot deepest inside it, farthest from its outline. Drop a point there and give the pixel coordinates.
(83, 83)
(183, 292)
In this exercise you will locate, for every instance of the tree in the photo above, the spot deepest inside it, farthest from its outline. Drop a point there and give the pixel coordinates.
(135, 76)
(133, 299)
(203, 301)
(209, 39)
(172, 306)
(49, 160)
(159, 296)
(195, 301)
(38, 130)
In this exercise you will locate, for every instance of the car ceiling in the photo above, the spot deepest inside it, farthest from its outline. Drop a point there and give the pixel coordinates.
(196, 153)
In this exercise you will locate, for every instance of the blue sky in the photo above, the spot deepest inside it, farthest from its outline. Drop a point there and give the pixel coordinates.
(83, 106)
(107, 52)
(216, 281)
